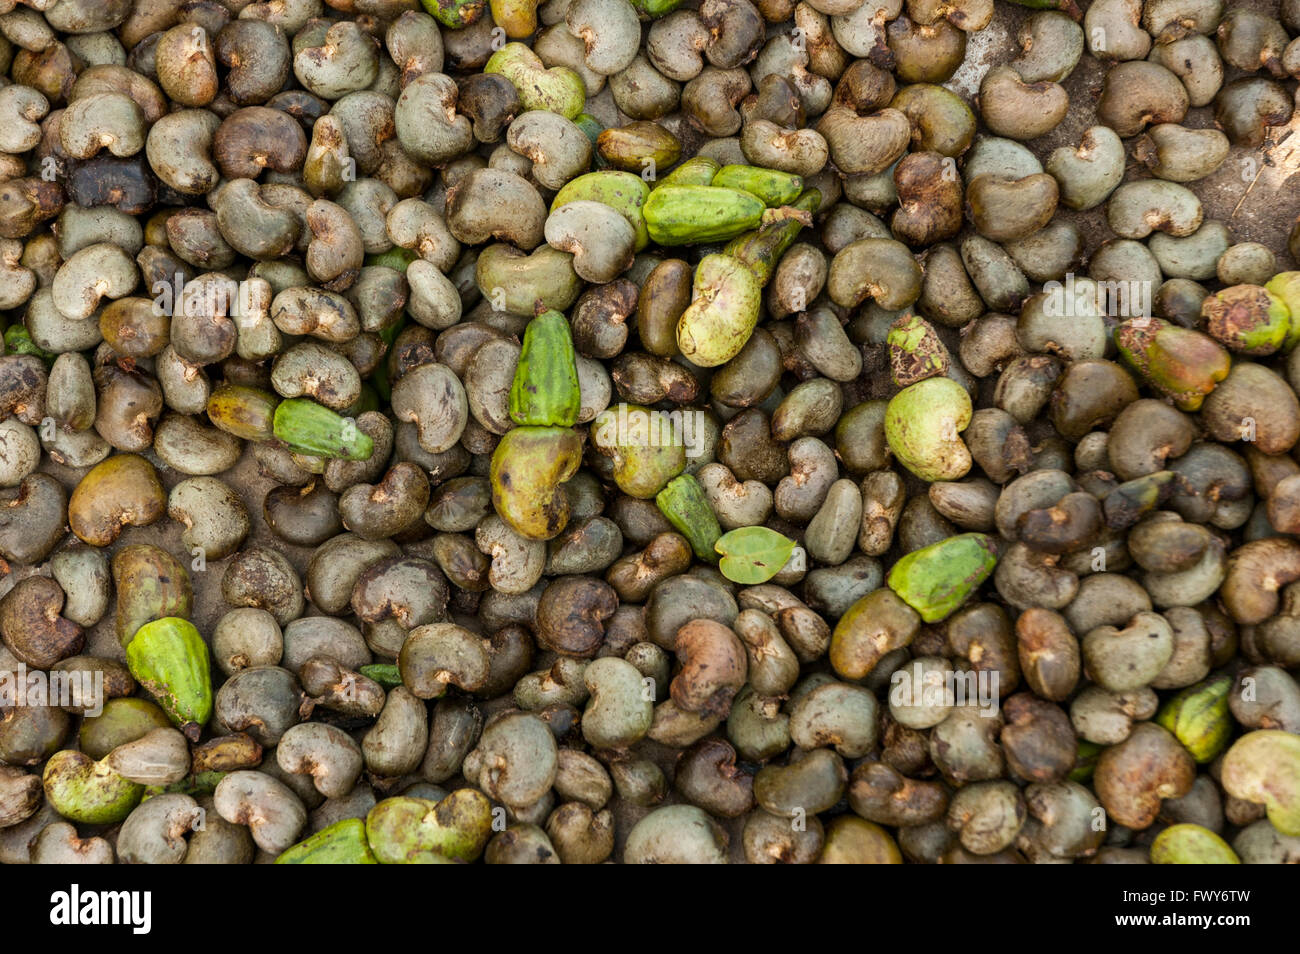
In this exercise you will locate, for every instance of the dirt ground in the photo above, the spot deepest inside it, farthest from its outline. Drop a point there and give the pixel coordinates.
(1259, 208)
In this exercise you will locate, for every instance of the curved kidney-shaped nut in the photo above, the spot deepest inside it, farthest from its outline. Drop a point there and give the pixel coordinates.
(438, 655)
(426, 121)
(611, 31)
(272, 812)
(21, 109)
(109, 121)
(325, 753)
(98, 271)
(303, 310)
(714, 666)
(347, 61)
(154, 833)
(558, 149)
(1256, 572)
(159, 757)
(496, 204)
(416, 225)
(1136, 776)
(599, 237)
(186, 65)
(336, 252)
(432, 397)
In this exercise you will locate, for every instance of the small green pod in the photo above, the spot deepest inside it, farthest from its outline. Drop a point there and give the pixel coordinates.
(762, 248)
(683, 502)
(170, 659)
(310, 428)
(527, 469)
(725, 304)
(622, 191)
(771, 185)
(698, 170)
(544, 392)
(83, 790)
(342, 843)
(688, 214)
(1199, 718)
(937, 579)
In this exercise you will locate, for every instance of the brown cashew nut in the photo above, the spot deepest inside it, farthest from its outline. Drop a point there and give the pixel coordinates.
(714, 666)
(1256, 572)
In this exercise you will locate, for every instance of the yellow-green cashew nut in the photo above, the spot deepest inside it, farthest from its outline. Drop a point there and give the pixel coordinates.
(1188, 844)
(404, 830)
(528, 467)
(645, 448)
(923, 425)
(83, 790)
(1264, 767)
(724, 309)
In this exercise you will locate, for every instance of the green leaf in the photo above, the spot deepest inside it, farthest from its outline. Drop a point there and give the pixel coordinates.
(752, 555)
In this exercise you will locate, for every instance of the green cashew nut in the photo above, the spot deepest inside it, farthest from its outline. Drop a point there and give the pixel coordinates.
(683, 502)
(644, 448)
(313, 429)
(170, 659)
(687, 214)
(545, 388)
(1181, 363)
(558, 89)
(1264, 767)
(83, 790)
(1199, 718)
(342, 843)
(937, 579)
